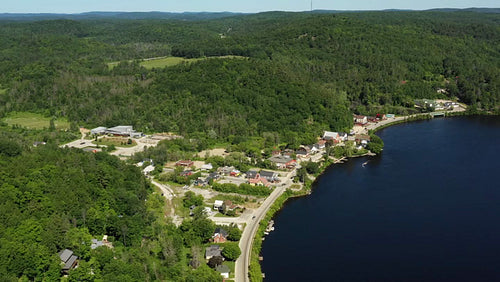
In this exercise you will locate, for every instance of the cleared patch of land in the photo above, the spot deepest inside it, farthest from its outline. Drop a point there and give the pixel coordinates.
(34, 121)
(163, 62)
(3, 91)
(213, 152)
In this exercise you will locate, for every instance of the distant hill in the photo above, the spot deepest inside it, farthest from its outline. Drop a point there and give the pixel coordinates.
(188, 16)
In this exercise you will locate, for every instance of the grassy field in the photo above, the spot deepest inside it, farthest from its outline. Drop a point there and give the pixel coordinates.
(116, 141)
(33, 121)
(169, 61)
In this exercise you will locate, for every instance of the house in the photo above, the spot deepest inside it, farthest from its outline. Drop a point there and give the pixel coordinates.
(228, 205)
(212, 176)
(252, 174)
(362, 120)
(303, 151)
(185, 163)
(258, 182)
(328, 135)
(362, 139)
(283, 162)
(389, 116)
(220, 235)
(69, 260)
(313, 149)
(212, 251)
(343, 136)
(98, 130)
(223, 270)
(288, 152)
(321, 144)
(218, 204)
(381, 116)
(207, 167)
(270, 176)
(226, 170)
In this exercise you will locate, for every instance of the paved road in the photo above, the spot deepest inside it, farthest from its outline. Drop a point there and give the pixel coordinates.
(246, 241)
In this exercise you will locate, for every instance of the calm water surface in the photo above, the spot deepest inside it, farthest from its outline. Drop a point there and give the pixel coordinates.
(428, 209)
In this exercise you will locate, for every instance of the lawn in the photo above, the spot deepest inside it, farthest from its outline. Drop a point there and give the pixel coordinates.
(169, 61)
(231, 265)
(166, 62)
(34, 121)
(116, 141)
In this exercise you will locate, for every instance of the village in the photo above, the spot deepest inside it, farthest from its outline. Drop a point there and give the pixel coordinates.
(231, 198)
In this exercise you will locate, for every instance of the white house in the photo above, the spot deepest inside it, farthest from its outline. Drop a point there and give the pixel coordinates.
(360, 119)
(328, 135)
(207, 167)
(218, 204)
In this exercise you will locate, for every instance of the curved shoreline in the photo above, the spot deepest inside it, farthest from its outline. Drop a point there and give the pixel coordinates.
(253, 270)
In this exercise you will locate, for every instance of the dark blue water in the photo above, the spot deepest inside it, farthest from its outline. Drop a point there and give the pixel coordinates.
(427, 209)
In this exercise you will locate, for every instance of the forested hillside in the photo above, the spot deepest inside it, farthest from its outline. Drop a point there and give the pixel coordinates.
(303, 72)
(52, 199)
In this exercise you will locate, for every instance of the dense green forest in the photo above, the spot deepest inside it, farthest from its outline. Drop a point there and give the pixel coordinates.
(296, 74)
(53, 198)
(301, 72)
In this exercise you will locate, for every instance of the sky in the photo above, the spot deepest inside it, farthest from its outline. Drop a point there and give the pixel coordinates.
(246, 6)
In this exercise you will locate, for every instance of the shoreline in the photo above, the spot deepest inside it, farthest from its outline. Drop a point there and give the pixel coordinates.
(254, 267)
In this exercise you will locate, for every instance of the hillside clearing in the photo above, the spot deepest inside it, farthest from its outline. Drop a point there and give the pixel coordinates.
(33, 121)
(163, 62)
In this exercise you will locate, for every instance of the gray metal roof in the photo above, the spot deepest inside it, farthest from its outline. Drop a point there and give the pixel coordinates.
(65, 255)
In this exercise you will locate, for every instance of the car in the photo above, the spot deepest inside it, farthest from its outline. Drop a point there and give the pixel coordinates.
(83, 143)
(253, 217)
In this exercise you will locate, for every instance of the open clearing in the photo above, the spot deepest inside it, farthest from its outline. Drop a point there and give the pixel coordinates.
(170, 61)
(33, 121)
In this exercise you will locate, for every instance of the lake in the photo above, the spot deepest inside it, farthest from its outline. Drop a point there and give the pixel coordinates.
(427, 209)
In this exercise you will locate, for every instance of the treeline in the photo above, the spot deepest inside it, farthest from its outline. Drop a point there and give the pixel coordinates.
(303, 72)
